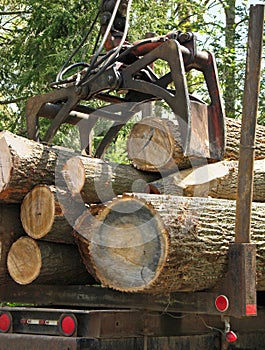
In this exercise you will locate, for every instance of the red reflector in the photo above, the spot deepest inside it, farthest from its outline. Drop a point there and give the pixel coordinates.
(68, 325)
(231, 337)
(5, 322)
(221, 303)
(251, 309)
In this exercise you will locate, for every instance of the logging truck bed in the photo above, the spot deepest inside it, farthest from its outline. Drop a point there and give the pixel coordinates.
(62, 245)
(128, 329)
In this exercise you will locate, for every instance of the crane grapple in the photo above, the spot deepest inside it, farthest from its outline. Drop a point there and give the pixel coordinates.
(125, 76)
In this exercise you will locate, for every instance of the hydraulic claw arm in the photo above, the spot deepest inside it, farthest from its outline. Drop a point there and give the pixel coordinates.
(125, 74)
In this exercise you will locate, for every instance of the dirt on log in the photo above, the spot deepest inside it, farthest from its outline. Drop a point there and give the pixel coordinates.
(162, 244)
(217, 180)
(154, 144)
(92, 180)
(41, 262)
(25, 163)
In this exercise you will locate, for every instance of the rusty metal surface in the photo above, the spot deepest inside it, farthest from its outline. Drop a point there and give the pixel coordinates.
(87, 296)
(114, 329)
(26, 342)
(240, 283)
(249, 121)
(33, 342)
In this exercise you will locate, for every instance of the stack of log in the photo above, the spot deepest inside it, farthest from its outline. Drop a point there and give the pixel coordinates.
(38, 211)
(71, 219)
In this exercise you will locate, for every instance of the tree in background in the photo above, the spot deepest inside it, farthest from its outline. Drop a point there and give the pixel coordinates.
(37, 37)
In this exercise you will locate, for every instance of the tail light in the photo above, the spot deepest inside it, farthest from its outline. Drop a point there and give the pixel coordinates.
(231, 337)
(221, 303)
(68, 325)
(5, 322)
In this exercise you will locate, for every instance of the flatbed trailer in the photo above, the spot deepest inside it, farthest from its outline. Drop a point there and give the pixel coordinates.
(120, 320)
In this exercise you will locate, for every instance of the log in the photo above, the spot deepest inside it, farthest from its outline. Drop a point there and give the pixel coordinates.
(41, 262)
(217, 180)
(92, 180)
(82, 237)
(48, 212)
(233, 129)
(10, 230)
(162, 244)
(154, 145)
(25, 163)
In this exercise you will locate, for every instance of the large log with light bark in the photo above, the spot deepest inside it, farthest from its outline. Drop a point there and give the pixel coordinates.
(10, 230)
(25, 163)
(48, 213)
(92, 180)
(155, 145)
(31, 261)
(217, 180)
(162, 244)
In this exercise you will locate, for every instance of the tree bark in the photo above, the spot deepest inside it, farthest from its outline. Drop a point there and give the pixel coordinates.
(48, 213)
(92, 180)
(233, 129)
(82, 236)
(154, 145)
(45, 263)
(162, 244)
(10, 230)
(25, 163)
(218, 180)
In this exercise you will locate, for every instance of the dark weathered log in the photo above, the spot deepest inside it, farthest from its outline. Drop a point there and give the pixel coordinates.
(94, 181)
(217, 180)
(10, 230)
(162, 244)
(48, 212)
(154, 145)
(45, 263)
(25, 163)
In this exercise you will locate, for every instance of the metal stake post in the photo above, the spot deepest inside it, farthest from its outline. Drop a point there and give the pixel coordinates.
(242, 255)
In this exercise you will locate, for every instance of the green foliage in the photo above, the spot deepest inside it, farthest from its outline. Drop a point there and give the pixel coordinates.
(36, 38)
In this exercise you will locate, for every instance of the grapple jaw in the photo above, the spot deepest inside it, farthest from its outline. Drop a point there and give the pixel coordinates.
(202, 125)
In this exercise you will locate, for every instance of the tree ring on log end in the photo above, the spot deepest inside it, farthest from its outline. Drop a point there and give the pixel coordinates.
(151, 145)
(37, 211)
(129, 245)
(24, 260)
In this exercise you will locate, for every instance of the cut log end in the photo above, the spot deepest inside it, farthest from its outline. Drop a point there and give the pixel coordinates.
(22, 269)
(129, 245)
(151, 145)
(5, 164)
(74, 175)
(37, 211)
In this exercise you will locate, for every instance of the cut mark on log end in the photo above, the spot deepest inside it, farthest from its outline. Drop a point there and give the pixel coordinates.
(129, 245)
(24, 260)
(151, 145)
(74, 175)
(5, 164)
(37, 211)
